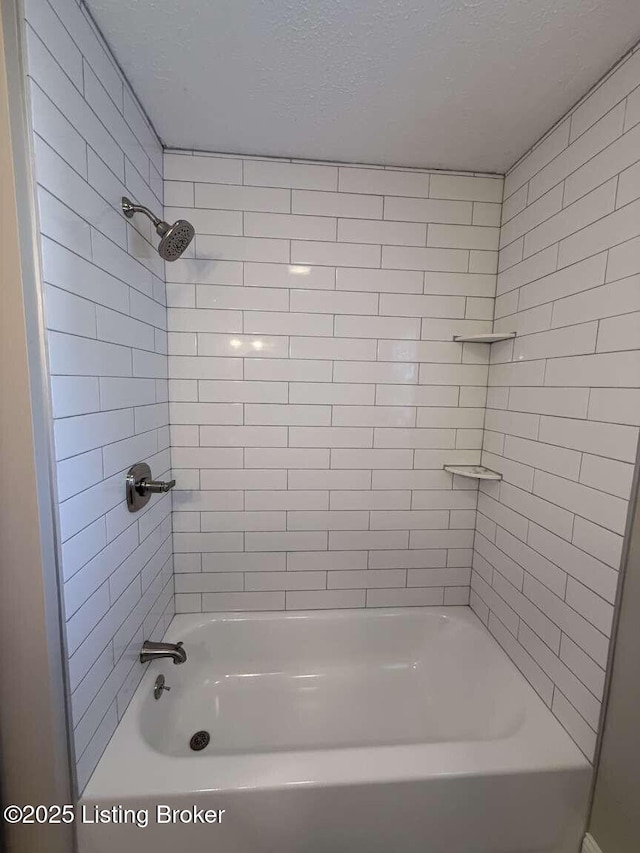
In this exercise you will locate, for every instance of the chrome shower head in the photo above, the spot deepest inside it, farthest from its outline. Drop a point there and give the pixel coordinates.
(175, 238)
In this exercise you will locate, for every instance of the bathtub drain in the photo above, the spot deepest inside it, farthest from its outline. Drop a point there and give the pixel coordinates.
(199, 740)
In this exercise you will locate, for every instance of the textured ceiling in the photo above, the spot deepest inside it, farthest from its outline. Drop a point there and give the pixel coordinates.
(458, 84)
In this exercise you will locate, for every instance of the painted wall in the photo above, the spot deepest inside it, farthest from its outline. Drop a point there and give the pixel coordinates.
(563, 403)
(315, 388)
(615, 821)
(106, 319)
(34, 765)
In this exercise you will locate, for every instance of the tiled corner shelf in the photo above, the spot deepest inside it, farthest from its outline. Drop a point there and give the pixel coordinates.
(474, 472)
(488, 338)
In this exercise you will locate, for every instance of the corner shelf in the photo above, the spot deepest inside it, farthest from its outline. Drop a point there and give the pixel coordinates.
(474, 472)
(488, 338)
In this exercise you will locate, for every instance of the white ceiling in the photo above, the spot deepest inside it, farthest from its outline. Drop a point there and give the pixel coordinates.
(457, 84)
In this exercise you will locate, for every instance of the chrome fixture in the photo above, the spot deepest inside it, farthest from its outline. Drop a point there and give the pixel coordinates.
(159, 687)
(140, 486)
(175, 238)
(154, 651)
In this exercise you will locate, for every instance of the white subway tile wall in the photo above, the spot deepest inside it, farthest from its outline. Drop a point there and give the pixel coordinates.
(315, 390)
(302, 352)
(105, 311)
(563, 406)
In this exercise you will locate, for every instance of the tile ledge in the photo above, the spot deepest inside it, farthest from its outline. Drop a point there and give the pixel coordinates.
(474, 472)
(487, 338)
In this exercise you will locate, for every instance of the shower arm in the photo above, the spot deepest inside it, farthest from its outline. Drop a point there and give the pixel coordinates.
(129, 208)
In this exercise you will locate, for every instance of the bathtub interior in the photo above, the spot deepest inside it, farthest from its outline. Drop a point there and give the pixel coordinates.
(264, 683)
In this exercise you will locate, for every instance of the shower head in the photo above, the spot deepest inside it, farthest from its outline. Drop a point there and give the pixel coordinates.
(174, 238)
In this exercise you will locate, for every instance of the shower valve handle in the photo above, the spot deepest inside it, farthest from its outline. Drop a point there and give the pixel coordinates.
(155, 487)
(140, 486)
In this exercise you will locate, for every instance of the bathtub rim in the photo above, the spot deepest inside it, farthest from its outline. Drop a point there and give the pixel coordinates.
(131, 768)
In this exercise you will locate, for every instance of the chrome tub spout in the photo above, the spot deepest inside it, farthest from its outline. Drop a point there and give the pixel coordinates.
(153, 651)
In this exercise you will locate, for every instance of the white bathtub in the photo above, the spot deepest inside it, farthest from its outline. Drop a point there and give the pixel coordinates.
(384, 731)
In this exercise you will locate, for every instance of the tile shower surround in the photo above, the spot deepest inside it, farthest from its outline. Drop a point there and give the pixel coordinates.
(563, 404)
(105, 315)
(315, 390)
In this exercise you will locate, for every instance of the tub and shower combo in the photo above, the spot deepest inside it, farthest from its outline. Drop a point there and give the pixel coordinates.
(331, 732)
(381, 731)
(388, 731)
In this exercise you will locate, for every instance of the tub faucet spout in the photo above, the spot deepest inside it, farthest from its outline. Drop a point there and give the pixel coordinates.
(153, 651)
